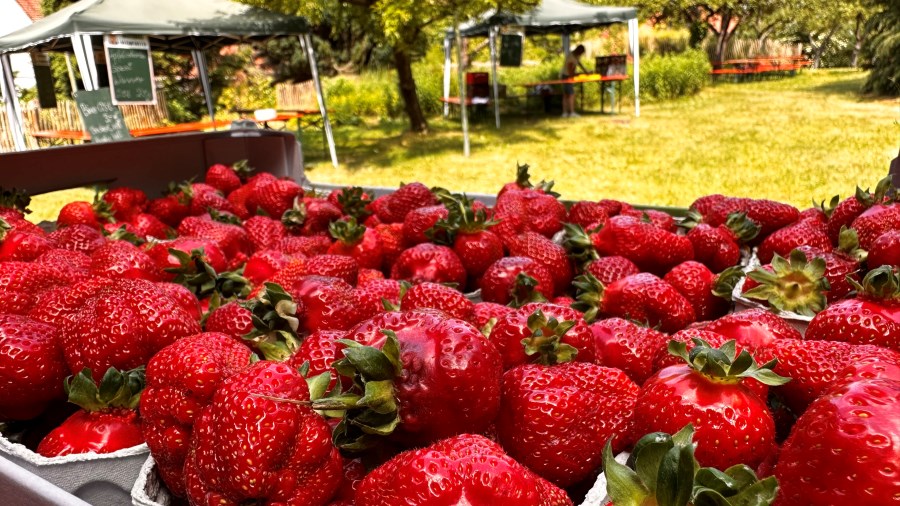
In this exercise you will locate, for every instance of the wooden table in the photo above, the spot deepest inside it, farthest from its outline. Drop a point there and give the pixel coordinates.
(80, 135)
(588, 78)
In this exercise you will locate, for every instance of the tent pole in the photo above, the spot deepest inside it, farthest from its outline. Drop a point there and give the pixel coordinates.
(72, 83)
(203, 72)
(636, 55)
(493, 42)
(565, 45)
(448, 43)
(84, 55)
(463, 112)
(13, 114)
(306, 40)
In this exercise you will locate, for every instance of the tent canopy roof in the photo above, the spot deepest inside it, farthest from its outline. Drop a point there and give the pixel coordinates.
(551, 16)
(179, 25)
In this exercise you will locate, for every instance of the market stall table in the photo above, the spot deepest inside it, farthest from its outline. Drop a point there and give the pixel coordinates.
(587, 78)
(79, 135)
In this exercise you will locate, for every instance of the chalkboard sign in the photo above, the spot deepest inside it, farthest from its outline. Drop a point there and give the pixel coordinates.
(102, 119)
(43, 77)
(130, 69)
(511, 50)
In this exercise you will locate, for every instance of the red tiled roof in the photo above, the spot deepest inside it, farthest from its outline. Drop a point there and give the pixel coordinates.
(32, 8)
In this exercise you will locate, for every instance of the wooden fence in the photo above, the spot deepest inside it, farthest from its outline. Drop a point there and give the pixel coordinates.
(751, 48)
(296, 96)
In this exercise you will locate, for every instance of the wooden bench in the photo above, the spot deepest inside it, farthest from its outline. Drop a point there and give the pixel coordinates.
(760, 67)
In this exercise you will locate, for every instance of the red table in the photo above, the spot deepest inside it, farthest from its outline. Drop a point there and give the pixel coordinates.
(79, 135)
(587, 78)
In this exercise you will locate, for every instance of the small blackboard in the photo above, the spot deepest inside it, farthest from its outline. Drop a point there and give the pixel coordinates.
(511, 50)
(130, 69)
(102, 119)
(43, 76)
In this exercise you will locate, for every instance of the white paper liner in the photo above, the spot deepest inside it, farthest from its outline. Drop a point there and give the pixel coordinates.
(597, 495)
(149, 489)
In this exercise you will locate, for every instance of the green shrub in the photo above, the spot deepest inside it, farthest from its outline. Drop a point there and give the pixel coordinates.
(671, 76)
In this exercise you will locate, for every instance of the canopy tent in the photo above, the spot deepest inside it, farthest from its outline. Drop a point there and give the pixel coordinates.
(550, 17)
(191, 26)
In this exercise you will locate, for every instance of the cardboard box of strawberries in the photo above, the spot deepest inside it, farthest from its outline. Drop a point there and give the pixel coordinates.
(273, 345)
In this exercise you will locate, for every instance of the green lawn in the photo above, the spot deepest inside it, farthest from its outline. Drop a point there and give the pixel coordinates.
(790, 139)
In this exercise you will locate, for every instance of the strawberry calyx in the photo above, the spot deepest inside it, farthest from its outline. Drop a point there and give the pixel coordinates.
(201, 278)
(223, 217)
(524, 290)
(275, 323)
(546, 339)
(848, 245)
(348, 231)
(881, 284)
(794, 284)
(723, 365)
(662, 470)
(691, 219)
(375, 410)
(13, 198)
(523, 178)
(578, 244)
(462, 217)
(827, 210)
(589, 295)
(726, 280)
(5, 228)
(295, 217)
(354, 201)
(117, 389)
(243, 169)
(102, 209)
(743, 228)
(122, 234)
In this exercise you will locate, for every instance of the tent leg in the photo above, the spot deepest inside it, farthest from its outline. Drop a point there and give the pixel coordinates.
(448, 43)
(203, 71)
(636, 55)
(13, 114)
(306, 40)
(84, 55)
(463, 111)
(72, 82)
(565, 44)
(496, 89)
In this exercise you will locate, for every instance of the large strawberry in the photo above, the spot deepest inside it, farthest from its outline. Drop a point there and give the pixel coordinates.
(256, 441)
(81, 238)
(842, 214)
(719, 247)
(467, 229)
(435, 296)
(343, 267)
(642, 297)
(181, 380)
(785, 240)
(437, 377)
(556, 419)
(408, 197)
(121, 259)
(231, 238)
(708, 293)
(327, 303)
(310, 216)
(544, 333)
(651, 248)
(264, 232)
(516, 279)
(84, 213)
(885, 250)
(470, 469)
(844, 446)
(108, 420)
(24, 246)
(357, 241)
(733, 424)
(878, 219)
(429, 262)
(32, 367)
(627, 346)
(753, 328)
(550, 255)
(277, 196)
(419, 221)
(872, 317)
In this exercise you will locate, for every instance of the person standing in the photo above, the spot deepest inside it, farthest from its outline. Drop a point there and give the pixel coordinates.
(570, 70)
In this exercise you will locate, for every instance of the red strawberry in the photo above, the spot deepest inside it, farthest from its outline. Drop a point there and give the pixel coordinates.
(181, 380)
(733, 425)
(611, 269)
(661, 219)
(107, 421)
(885, 250)
(872, 317)
(839, 269)
(544, 333)
(264, 232)
(429, 262)
(704, 205)
(23, 246)
(587, 214)
(391, 238)
(32, 366)
(844, 213)
(372, 294)
(335, 266)
(227, 179)
(663, 358)
(753, 328)
(834, 446)
(207, 199)
(627, 346)
(328, 303)
(306, 246)
(419, 221)
(290, 273)
(366, 275)
(651, 248)
(471, 470)
(22, 282)
(352, 201)
(771, 215)
(870, 367)
(486, 314)
(642, 297)
(121, 259)
(277, 196)
(545, 214)
(164, 259)
(311, 216)
(232, 239)
(149, 226)
(240, 202)
(319, 351)
(169, 209)
(231, 319)
(719, 247)
(82, 213)
(405, 199)
(708, 293)
(78, 238)
(550, 255)
(785, 240)
(435, 296)
(440, 366)
(516, 279)
(877, 220)
(264, 264)
(522, 182)
(75, 263)
(234, 457)
(357, 241)
(556, 419)
(183, 297)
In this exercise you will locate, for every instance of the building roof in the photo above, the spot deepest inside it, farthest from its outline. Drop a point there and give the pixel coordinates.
(32, 8)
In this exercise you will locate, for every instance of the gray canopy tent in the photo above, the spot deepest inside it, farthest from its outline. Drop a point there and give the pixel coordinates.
(550, 17)
(186, 26)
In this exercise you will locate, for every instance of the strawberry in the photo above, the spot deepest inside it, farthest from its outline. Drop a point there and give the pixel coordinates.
(366, 275)
(651, 248)
(611, 269)
(78, 238)
(290, 273)
(408, 197)
(232, 319)
(753, 328)
(550, 255)
(264, 232)
(787, 239)
(328, 303)
(642, 297)
(205, 199)
(467, 229)
(306, 246)
(705, 204)
(310, 216)
(435, 296)
(227, 179)
(357, 241)
(556, 419)
(795, 284)
(108, 420)
(662, 358)
(627, 346)
(277, 196)
(733, 425)
(318, 352)
(432, 369)
(870, 367)
(391, 238)
(166, 260)
(544, 333)
(708, 293)
(768, 214)
(263, 264)
(335, 266)
(121, 323)
(149, 226)
(835, 444)
(371, 296)
(516, 279)
(840, 269)
(121, 259)
(545, 214)
(419, 221)
(181, 380)
(232, 239)
(878, 219)
(872, 317)
(234, 457)
(22, 282)
(813, 366)
(720, 247)
(587, 214)
(486, 314)
(83, 213)
(183, 297)
(885, 250)
(844, 213)
(429, 262)
(24, 246)
(169, 209)
(75, 263)
(353, 201)
(661, 219)
(471, 470)
(32, 365)
(522, 182)
(125, 203)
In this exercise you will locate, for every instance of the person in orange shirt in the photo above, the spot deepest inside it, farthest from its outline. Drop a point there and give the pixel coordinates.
(570, 70)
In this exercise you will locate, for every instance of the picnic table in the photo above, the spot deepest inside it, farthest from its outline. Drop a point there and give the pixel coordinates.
(760, 66)
(80, 135)
(580, 79)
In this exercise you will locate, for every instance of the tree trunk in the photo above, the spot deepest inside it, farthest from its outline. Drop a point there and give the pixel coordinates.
(723, 36)
(403, 63)
(859, 34)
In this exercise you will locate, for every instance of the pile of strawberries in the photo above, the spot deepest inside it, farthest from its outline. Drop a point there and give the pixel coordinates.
(276, 346)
